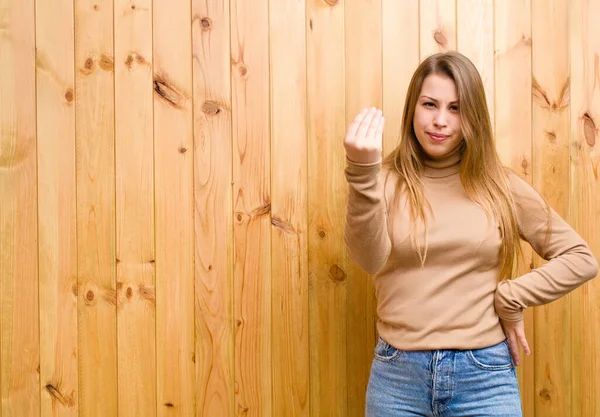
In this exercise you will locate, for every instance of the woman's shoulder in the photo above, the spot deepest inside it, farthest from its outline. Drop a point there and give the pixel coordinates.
(528, 201)
(520, 187)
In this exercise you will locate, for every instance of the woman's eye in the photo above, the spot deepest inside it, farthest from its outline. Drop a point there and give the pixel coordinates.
(454, 108)
(428, 104)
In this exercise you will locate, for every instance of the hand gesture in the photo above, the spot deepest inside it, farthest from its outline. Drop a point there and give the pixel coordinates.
(515, 335)
(364, 137)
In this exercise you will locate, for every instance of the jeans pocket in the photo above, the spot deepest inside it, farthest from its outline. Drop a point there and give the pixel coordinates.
(385, 352)
(493, 358)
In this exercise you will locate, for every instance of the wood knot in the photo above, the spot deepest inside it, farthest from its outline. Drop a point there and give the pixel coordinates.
(169, 405)
(133, 7)
(96, 7)
(524, 165)
(243, 70)
(321, 234)
(182, 149)
(129, 292)
(440, 38)
(168, 93)
(137, 57)
(589, 130)
(551, 136)
(239, 217)
(89, 296)
(206, 24)
(147, 293)
(337, 274)
(89, 64)
(106, 63)
(69, 95)
(211, 108)
(545, 394)
(238, 323)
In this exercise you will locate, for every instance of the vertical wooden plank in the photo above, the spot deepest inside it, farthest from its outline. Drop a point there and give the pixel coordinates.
(437, 26)
(400, 44)
(135, 208)
(174, 207)
(287, 30)
(585, 200)
(19, 325)
(475, 39)
(213, 209)
(94, 124)
(327, 191)
(363, 89)
(512, 29)
(57, 207)
(550, 85)
(252, 205)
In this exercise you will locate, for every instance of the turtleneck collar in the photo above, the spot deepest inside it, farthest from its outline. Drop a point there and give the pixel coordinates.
(445, 167)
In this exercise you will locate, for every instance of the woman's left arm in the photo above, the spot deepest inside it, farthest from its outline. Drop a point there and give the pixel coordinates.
(571, 261)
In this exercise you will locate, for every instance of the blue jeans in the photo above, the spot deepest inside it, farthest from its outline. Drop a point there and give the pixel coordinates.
(445, 383)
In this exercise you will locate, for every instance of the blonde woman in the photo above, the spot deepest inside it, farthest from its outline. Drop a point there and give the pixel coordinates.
(438, 223)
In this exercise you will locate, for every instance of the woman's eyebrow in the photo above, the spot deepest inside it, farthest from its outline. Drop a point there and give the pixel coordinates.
(434, 100)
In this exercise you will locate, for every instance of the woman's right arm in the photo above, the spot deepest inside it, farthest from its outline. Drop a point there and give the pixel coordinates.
(365, 234)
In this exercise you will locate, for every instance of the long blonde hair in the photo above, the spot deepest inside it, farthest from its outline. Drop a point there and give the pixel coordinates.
(482, 174)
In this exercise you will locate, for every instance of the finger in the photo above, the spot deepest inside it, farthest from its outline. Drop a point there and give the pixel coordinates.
(366, 122)
(514, 350)
(523, 341)
(380, 129)
(353, 127)
(372, 131)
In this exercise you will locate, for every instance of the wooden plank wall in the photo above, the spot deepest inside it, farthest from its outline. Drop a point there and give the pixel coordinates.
(172, 195)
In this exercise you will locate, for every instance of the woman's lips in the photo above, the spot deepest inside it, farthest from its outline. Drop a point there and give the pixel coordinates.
(438, 137)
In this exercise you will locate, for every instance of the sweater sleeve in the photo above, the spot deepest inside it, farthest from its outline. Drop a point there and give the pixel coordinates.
(571, 262)
(366, 236)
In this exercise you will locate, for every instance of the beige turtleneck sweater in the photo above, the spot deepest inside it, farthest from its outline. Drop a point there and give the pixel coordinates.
(454, 300)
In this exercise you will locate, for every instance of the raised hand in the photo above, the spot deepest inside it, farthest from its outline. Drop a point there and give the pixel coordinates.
(364, 137)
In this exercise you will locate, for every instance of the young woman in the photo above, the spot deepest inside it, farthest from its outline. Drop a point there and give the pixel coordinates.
(438, 223)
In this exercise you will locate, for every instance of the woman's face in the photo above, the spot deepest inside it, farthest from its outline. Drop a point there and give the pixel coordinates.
(437, 117)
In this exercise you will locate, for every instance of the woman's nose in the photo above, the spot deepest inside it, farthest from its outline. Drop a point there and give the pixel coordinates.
(440, 119)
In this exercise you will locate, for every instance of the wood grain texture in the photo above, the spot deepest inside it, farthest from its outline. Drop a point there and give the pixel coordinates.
(585, 200)
(97, 296)
(19, 309)
(290, 332)
(57, 207)
(174, 208)
(475, 39)
(327, 191)
(437, 26)
(250, 75)
(363, 89)
(513, 115)
(551, 105)
(134, 141)
(180, 200)
(400, 42)
(215, 388)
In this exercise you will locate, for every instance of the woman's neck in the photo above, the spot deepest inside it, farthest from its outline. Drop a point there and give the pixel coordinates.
(443, 167)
